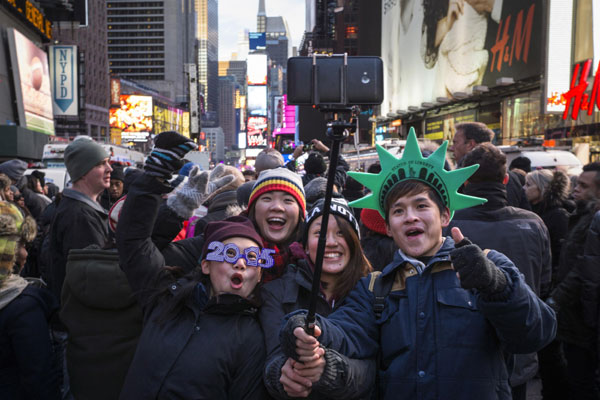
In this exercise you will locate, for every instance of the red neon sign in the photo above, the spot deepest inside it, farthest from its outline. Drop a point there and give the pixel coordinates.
(577, 95)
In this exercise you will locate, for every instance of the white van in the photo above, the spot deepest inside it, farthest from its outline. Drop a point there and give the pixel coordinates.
(545, 158)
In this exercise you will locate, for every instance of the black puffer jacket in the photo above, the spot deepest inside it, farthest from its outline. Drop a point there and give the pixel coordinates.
(575, 293)
(78, 223)
(519, 234)
(211, 349)
(290, 293)
(26, 358)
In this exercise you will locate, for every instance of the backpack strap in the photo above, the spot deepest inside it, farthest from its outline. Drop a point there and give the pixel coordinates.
(380, 287)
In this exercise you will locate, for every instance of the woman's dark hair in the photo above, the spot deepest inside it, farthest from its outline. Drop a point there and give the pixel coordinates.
(358, 265)
(433, 12)
(32, 182)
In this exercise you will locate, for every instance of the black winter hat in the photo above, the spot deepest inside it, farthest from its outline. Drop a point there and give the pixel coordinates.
(117, 173)
(237, 226)
(315, 164)
(338, 207)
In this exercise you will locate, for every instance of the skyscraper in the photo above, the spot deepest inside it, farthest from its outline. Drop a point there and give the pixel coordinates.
(93, 63)
(278, 40)
(208, 52)
(149, 42)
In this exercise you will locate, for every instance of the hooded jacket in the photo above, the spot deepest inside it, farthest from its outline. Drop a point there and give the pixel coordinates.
(213, 348)
(103, 320)
(27, 368)
(290, 293)
(436, 339)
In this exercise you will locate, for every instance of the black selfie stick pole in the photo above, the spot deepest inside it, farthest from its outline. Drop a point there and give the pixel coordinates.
(337, 133)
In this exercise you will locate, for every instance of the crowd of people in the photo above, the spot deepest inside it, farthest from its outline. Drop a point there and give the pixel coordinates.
(438, 282)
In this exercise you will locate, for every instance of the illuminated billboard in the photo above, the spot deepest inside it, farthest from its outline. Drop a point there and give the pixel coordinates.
(32, 83)
(169, 119)
(257, 69)
(134, 115)
(426, 58)
(257, 128)
(257, 101)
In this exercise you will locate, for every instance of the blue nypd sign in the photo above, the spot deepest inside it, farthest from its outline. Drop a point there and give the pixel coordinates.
(63, 70)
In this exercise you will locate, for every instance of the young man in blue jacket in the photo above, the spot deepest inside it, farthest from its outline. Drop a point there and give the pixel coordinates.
(453, 309)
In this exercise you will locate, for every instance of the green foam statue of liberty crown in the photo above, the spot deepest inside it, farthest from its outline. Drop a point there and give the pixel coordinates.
(414, 166)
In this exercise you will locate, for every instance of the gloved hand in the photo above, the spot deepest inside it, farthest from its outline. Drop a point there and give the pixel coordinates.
(475, 270)
(197, 188)
(167, 155)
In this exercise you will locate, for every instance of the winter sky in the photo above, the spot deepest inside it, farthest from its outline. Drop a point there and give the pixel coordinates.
(237, 15)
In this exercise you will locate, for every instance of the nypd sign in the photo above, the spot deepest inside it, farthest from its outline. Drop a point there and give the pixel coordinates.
(63, 73)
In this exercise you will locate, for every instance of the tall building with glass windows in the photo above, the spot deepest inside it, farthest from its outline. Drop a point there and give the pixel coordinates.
(208, 52)
(150, 41)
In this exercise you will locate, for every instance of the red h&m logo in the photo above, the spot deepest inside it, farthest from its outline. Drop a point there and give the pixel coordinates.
(501, 53)
(577, 95)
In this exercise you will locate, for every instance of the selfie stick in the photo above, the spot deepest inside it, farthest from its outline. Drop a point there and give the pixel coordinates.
(337, 131)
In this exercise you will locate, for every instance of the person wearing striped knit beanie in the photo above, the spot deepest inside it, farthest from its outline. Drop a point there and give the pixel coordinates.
(277, 206)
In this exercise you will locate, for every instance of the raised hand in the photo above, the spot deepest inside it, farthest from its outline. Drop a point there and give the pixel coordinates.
(473, 268)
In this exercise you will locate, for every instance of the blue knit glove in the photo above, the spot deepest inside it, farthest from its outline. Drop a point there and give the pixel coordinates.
(167, 154)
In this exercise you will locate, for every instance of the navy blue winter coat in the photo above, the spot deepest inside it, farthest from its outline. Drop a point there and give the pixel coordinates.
(439, 341)
(26, 359)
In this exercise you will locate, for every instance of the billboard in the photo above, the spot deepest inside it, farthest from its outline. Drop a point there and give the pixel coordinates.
(257, 69)
(257, 132)
(63, 71)
(168, 119)
(257, 101)
(115, 92)
(257, 40)
(427, 57)
(32, 83)
(134, 115)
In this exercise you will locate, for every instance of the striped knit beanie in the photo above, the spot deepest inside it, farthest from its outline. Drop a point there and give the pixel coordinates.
(13, 227)
(281, 179)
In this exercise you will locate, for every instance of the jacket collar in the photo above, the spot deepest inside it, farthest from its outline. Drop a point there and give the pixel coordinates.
(494, 192)
(443, 254)
(224, 304)
(75, 195)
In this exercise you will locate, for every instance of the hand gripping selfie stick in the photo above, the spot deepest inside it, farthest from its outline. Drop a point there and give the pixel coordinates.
(337, 131)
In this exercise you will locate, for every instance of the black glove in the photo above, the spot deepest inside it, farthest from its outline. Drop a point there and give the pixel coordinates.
(167, 154)
(476, 270)
(287, 338)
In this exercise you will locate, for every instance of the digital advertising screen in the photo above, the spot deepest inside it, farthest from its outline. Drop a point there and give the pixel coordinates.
(257, 69)
(134, 114)
(256, 133)
(257, 101)
(31, 76)
(425, 59)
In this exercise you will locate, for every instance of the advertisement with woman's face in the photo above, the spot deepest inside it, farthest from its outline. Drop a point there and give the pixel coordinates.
(436, 48)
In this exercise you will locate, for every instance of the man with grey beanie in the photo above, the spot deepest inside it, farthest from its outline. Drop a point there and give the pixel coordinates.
(80, 220)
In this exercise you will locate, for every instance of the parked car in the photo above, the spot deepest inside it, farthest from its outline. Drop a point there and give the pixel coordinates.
(542, 157)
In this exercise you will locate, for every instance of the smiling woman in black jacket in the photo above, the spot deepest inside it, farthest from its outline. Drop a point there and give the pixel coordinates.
(343, 265)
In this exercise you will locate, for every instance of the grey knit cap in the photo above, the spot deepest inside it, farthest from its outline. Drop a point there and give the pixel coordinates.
(14, 169)
(81, 156)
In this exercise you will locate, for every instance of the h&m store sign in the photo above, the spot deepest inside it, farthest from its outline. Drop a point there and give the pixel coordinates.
(577, 98)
